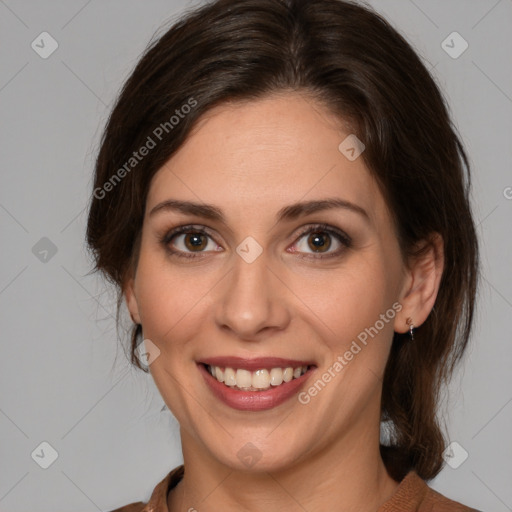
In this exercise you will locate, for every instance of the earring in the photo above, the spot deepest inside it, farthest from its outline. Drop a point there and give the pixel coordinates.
(411, 328)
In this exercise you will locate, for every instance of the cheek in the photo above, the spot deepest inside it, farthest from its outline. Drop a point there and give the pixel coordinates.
(345, 301)
(172, 299)
(162, 296)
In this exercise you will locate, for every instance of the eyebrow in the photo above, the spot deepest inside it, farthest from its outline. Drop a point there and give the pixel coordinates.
(287, 213)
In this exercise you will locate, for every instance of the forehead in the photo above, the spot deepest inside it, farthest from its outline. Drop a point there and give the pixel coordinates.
(252, 158)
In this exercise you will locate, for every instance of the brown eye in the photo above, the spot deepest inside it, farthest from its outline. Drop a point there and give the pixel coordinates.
(319, 241)
(189, 242)
(195, 241)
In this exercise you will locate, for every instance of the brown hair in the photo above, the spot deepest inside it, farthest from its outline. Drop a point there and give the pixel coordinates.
(349, 58)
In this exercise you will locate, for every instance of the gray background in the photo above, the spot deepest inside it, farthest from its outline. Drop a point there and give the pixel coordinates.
(63, 377)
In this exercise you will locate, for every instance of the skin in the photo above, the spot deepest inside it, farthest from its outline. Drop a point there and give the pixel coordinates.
(251, 159)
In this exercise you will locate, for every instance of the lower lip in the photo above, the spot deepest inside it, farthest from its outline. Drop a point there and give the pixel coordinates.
(253, 400)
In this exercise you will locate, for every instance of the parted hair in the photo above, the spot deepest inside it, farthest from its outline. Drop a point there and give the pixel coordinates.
(346, 56)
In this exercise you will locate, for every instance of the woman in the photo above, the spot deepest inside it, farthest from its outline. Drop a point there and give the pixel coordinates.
(282, 201)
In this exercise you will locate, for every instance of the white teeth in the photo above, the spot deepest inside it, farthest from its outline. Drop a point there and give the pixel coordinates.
(288, 374)
(254, 381)
(219, 374)
(229, 377)
(276, 376)
(243, 378)
(260, 379)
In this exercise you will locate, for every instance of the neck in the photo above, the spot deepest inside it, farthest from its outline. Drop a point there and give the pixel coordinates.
(347, 475)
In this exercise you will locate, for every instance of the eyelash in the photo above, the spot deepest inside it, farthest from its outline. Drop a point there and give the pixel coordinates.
(342, 237)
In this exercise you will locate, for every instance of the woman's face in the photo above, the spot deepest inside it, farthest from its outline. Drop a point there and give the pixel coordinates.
(264, 282)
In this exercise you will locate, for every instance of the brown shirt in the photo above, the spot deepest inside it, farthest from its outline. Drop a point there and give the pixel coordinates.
(412, 495)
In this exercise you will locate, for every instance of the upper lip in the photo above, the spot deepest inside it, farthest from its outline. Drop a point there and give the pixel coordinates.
(253, 364)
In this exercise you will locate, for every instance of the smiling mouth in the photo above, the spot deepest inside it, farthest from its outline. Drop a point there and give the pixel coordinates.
(258, 380)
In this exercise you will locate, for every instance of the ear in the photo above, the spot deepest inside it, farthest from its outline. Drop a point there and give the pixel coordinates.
(131, 300)
(422, 283)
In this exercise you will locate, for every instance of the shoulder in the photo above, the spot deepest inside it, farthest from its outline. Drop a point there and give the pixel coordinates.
(132, 507)
(414, 495)
(158, 500)
(439, 503)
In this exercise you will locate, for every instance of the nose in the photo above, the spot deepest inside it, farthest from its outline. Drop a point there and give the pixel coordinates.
(253, 299)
